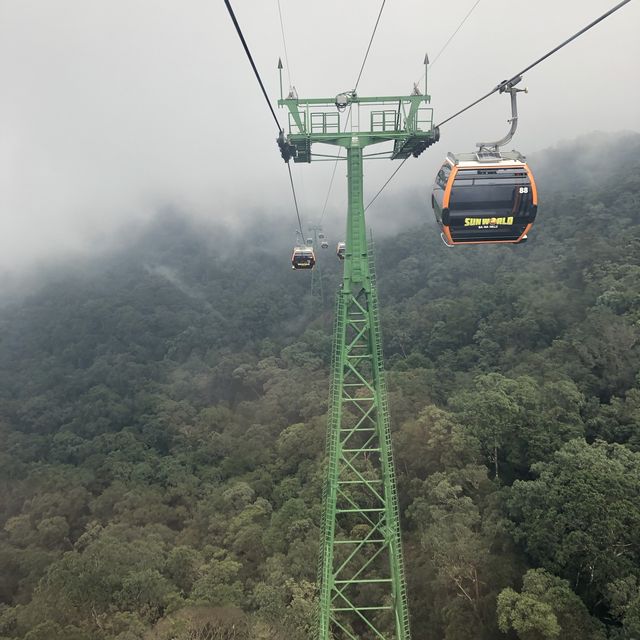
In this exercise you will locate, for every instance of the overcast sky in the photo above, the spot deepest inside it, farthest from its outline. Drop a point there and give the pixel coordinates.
(111, 109)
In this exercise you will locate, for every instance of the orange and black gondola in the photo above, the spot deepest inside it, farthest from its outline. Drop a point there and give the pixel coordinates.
(303, 258)
(485, 198)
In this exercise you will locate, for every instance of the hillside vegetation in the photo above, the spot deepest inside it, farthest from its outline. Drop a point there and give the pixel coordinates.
(163, 414)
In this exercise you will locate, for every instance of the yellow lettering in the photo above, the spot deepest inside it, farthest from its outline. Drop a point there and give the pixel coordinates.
(476, 222)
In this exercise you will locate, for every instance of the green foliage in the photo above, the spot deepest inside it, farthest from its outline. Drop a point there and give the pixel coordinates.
(163, 416)
(528, 616)
(218, 583)
(580, 518)
(519, 421)
(623, 595)
(545, 609)
(203, 623)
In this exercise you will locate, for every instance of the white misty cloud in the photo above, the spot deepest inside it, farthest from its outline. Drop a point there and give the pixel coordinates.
(113, 108)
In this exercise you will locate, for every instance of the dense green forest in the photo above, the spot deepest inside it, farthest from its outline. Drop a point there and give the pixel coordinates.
(163, 413)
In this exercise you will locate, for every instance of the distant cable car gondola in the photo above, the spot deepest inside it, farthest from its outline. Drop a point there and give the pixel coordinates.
(341, 250)
(324, 244)
(485, 198)
(303, 258)
(488, 196)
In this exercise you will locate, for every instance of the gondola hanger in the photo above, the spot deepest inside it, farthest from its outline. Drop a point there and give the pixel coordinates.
(488, 151)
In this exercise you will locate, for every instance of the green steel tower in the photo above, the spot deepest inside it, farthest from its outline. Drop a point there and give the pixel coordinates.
(360, 573)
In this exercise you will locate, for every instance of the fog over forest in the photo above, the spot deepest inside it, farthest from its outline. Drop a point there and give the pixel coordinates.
(112, 111)
(163, 410)
(168, 382)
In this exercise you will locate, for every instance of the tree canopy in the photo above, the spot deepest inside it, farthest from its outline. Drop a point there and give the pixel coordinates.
(163, 414)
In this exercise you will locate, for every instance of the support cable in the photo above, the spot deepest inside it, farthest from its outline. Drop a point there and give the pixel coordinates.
(266, 97)
(446, 44)
(253, 64)
(295, 201)
(451, 37)
(284, 43)
(504, 83)
(514, 78)
(391, 177)
(366, 55)
(364, 61)
(333, 175)
(286, 58)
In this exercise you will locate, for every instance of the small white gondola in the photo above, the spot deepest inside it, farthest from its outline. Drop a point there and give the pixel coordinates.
(303, 258)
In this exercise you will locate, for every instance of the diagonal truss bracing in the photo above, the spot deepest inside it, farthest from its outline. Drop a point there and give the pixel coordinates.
(361, 574)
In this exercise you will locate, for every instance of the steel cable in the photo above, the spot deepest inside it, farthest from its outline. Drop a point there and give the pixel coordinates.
(295, 201)
(253, 64)
(514, 78)
(255, 70)
(366, 55)
(538, 61)
(364, 62)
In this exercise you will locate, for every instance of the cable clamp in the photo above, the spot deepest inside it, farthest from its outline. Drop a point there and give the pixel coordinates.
(344, 99)
(507, 85)
(287, 150)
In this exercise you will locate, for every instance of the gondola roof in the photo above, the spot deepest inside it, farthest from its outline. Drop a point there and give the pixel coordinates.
(485, 158)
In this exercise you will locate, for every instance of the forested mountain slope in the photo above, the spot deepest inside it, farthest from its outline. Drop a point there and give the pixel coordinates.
(162, 423)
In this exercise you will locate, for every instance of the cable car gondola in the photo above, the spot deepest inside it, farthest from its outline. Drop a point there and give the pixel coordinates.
(303, 258)
(341, 250)
(488, 196)
(485, 197)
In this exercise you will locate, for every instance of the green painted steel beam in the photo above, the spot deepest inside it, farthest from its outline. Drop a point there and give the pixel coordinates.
(355, 99)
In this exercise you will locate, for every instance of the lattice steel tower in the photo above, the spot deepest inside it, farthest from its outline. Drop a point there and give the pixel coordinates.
(360, 573)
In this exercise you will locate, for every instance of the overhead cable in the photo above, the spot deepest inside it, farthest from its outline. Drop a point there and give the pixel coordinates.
(504, 83)
(366, 55)
(513, 79)
(284, 43)
(266, 97)
(364, 61)
(391, 177)
(253, 64)
(453, 35)
(295, 201)
(333, 175)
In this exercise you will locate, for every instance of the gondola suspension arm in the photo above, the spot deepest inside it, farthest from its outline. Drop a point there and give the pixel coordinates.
(508, 86)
